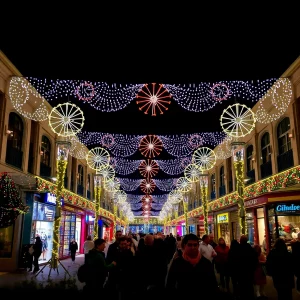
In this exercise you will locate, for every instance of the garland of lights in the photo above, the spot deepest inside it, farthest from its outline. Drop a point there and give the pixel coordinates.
(113, 97)
(165, 185)
(177, 145)
(128, 184)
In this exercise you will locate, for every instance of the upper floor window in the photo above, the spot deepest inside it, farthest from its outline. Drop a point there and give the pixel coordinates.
(284, 142)
(222, 176)
(249, 154)
(80, 175)
(15, 130)
(213, 183)
(88, 182)
(265, 148)
(45, 151)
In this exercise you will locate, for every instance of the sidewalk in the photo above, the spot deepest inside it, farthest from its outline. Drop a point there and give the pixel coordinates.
(10, 279)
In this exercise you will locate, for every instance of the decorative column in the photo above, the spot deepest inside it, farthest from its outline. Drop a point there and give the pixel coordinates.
(238, 162)
(185, 210)
(97, 195)
(204, 192)
(63, 148)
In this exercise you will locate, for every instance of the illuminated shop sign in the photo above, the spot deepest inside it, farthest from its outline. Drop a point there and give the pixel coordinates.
(223, 218)
(288, 208)
(51, 199)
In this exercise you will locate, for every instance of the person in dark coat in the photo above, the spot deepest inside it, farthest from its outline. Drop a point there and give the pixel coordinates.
(280, 266)
(37, 247)
(190, 273)
(233, 265)
(73, 247)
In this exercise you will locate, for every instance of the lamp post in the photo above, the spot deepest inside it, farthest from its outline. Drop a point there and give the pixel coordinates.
(63, 148)
(185, 210)
(204, 192)
(115, 215)
(97, 193)
(238, 162)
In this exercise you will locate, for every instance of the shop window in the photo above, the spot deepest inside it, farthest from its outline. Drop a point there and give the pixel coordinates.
(80, 180)
(6, 241)
(260, 225)
(284, 223)
(88, 186)
(14, 154)
(250, 227)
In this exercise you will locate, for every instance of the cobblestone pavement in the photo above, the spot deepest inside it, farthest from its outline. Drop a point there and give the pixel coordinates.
(10, 279)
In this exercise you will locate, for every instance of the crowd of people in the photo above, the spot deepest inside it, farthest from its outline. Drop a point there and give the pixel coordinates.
(151, 265)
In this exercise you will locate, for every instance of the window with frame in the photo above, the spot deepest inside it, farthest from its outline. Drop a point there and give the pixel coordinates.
(222, 176)
(45, 151)
(249, 153)
(80, 175)
(284, 142)
(16, 128)
(88, 182)
(213, 182)
(265, 148)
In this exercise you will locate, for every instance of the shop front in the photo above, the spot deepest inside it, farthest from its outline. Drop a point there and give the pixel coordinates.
(223, 227)
(106, 229)
(89, 221)
(284, 220)
(72, 226)
(257, 222)
(200, 227)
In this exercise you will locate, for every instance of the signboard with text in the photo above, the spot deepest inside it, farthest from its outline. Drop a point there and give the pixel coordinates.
(255, 202)
(223, 218)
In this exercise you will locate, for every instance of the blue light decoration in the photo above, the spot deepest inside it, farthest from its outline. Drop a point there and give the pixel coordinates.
(129, 185)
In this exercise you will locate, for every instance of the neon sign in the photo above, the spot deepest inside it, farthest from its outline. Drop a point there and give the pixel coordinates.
(288, 208)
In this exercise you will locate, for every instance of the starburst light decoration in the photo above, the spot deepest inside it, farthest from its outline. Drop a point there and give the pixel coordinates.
(147, 199)
(98, 158)
(107, 172)
(192, 173)
(150, 146)
(77, 149)
(112, 185)
(147, 186)
(154, 96)
(66, 119)
(107, 140)
(183, 185)
(85, 91)
(148, 168)
(175, 196)
(120, 196)
(237, 120)
(205, 158)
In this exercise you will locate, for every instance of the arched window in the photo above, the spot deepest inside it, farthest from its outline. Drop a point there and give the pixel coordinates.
(284, 142)
(14, 154)
(45, 151)
(265, 148)
(249, 153)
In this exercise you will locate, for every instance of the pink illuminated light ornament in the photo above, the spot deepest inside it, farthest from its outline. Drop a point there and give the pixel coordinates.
(153, 97)
(85, 91)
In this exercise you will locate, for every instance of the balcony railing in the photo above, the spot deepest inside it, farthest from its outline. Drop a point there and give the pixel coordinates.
(266, 169)
(285, 160)
(14, 157)
(45, 171)
(222, 190)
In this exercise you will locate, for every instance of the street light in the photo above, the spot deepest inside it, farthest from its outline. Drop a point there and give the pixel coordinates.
(97, 193)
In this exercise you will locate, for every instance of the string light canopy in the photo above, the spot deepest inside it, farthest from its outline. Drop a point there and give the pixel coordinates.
(198, 97)
(150, 146)
(153, 96)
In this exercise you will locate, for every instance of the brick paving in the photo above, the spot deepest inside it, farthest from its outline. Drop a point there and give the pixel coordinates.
(10, 279)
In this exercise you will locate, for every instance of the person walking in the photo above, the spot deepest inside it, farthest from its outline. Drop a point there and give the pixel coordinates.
(87, 246)
(73, 247)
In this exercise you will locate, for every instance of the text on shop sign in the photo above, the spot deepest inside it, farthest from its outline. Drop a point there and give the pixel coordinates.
(288, 208)
(222, 218)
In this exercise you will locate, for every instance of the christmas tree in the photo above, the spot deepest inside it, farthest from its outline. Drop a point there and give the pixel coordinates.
(11, 204)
